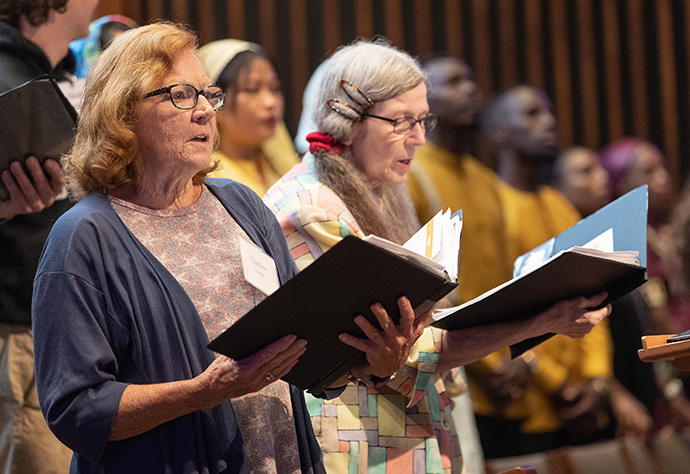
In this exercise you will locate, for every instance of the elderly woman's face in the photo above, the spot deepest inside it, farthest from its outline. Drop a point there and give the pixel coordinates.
(383, 155)
(171, 140)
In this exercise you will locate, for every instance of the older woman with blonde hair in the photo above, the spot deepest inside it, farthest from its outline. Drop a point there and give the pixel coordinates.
(372, 115)
(145, 269)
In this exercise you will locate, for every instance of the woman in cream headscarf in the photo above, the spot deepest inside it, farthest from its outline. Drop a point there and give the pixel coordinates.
(255, 146)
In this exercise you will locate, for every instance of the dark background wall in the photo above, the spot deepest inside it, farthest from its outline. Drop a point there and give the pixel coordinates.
(612, 67)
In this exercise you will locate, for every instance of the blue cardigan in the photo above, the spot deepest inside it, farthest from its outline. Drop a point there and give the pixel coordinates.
(106, 313)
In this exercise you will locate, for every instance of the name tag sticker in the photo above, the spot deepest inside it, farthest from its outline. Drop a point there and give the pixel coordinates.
(259, 269)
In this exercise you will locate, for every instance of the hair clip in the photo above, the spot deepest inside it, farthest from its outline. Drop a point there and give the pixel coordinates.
(345, 110)
(356, 96)
(353, 92)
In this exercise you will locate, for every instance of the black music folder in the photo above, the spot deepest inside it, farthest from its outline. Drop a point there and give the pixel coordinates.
(35, 119)
(322, 301)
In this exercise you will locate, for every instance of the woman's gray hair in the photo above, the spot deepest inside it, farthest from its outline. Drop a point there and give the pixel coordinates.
(377, 69)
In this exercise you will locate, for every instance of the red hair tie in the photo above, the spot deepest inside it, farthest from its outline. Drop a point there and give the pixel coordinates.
(319, 141)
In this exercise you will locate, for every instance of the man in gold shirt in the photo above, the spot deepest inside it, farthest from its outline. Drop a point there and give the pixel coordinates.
(445, 175)
(555, 395)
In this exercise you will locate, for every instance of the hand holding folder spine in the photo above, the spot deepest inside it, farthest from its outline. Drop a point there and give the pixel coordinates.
(322, 301)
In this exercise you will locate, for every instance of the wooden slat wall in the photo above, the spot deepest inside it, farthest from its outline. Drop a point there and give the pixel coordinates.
(612, 67)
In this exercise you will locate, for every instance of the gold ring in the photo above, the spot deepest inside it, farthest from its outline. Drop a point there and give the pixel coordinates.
(268, 376)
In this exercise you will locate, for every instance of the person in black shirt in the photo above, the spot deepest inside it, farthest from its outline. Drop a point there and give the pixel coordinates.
(34, 40)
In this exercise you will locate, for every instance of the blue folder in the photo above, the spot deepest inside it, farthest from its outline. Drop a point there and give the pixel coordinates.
(626, 217)
(552, 272)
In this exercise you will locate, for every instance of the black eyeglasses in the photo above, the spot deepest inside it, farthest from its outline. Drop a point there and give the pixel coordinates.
(405, 124)
(185, 96)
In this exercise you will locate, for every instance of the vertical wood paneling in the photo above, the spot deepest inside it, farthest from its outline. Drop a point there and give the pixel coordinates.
(683, 158)
(331, 26)
(179, 11)
(394, 25)
(267, 27)
(588, 74)
(594, 74)
(669, 111)
(299, 60)
(424, 31)
(508, 42)
(454, 43)
(206, 20)
(124, 7)
(563, 95)
(154, 9)
(636, 67)
(236, 19)
(365, 18)
(482, 43)
(614, 105)
(535, 54)
(482, 63)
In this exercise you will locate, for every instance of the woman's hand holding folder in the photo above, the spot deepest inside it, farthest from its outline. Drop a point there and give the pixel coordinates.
(388, 349)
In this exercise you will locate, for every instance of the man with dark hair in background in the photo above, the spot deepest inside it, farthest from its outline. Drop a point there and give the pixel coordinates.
(34, 40)
(557, 393)
(445, 175)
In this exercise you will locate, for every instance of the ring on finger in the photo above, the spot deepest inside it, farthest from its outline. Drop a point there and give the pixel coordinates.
(269, 376)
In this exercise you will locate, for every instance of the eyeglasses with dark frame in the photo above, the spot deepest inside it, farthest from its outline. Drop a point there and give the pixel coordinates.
(405, 124)
(186, 96)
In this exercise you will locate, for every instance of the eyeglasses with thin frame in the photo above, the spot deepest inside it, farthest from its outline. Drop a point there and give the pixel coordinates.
(405, 124)
(186, 96)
